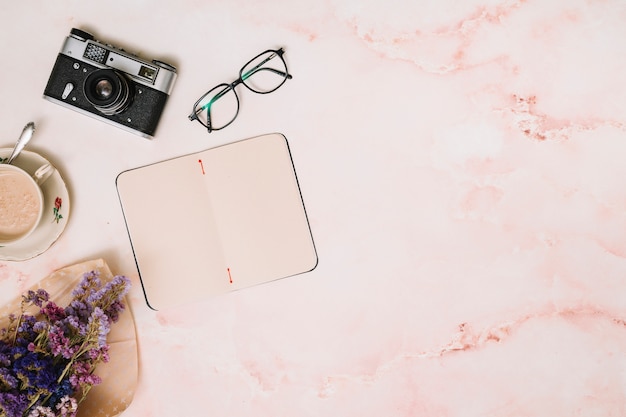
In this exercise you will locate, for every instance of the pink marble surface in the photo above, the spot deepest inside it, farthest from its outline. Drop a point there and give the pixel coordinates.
(462, 165)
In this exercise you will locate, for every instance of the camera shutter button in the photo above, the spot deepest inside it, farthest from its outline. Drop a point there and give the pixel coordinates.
(67, 90)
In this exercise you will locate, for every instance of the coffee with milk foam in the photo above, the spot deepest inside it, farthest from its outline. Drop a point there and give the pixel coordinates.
(19, 205)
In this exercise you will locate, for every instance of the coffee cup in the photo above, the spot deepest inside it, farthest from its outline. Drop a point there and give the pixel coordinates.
(21, 202)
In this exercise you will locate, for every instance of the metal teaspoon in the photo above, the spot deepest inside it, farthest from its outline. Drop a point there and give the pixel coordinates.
(27, 133)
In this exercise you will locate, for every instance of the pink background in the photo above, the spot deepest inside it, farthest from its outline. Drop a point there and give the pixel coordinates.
(463, 168)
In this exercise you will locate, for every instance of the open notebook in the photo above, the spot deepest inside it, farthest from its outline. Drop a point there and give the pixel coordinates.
(218, 220)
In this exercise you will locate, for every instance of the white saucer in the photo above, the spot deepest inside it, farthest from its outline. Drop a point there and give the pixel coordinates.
(53, 221)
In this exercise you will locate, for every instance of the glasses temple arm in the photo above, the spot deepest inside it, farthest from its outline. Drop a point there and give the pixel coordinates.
(253, 71)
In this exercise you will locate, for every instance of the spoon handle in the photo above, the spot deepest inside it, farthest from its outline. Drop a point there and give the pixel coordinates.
(27, 133)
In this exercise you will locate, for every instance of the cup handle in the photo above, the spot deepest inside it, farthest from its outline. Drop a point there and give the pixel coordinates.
(43, 173)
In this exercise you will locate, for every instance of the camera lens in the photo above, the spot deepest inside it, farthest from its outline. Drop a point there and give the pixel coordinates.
(108, 91)
(104, 89)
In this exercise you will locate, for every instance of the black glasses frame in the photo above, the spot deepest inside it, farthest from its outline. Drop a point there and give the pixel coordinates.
(243, 76)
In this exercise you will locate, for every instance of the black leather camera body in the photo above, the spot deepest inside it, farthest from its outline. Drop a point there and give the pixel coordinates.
(109, 84)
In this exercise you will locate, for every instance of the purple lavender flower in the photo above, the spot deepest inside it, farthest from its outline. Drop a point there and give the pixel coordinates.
(67, 407)
(90, 281)
(40, 326)
(73, 324)
(25, 332)
(60, 344)
(99, 354)
(53, 311)
(13, 404)
(41, 411)
(47, 361)
(122, 285)
(83, 375)
(37, 373)
(7, 379)
(62, 390)
(100, 322)
(79, 309)
(36, 297)
(5, 354)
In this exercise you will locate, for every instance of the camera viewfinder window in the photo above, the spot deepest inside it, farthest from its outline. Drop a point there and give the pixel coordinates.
(147, 72)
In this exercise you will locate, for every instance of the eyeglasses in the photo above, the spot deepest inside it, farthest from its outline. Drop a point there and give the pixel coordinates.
(263, 74)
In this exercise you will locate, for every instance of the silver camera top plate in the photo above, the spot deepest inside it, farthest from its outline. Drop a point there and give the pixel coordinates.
(153, 74)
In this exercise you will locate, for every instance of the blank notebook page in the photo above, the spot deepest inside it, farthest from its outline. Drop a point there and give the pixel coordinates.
(217, 220)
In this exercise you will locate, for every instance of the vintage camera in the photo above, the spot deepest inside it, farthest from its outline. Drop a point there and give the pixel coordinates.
(110, 84)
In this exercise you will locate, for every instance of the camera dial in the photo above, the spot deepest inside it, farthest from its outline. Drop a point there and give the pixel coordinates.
(164, 65)
(108, 91)
(81, 34)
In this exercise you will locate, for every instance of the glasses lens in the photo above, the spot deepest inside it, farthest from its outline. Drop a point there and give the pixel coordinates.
(265, 73)
(218, 108)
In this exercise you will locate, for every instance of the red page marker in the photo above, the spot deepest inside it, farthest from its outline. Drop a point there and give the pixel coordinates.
(201, 166)
(230, 278)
